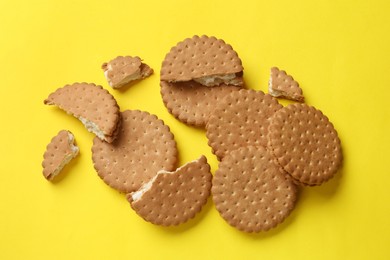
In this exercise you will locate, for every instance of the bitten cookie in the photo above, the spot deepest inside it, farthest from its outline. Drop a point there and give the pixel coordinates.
(172, 198)
(305, 144)
(240, 119)
(59, 152)
(122, 70)
(94, 106)
(250, 192)
(145, 145)
(284, 86)
(207, 60)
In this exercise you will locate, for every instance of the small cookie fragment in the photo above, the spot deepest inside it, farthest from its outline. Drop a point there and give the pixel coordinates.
(305, 144)
(283, 85)
(59, 152)
(94, 106)
(172, 198)
(144, 146)
(250, 192)
(190, 102)
(207, 60)
(240, 119)
(122, 70)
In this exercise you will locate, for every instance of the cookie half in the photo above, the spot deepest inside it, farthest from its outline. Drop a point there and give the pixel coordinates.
(172, 198)
(94, 106)
(207, 60)
(123, 70)
(305, 144)
(190, 102)
(145, 145)
(59, 152)
(250, 192)
(240, 119)
(284, 86)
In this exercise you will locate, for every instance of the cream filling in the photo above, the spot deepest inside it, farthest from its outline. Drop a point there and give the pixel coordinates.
(214, 80)
(125, 80)
(92, 127)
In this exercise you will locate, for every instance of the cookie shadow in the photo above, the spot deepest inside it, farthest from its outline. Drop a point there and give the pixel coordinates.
(191, 223)
(66, 170)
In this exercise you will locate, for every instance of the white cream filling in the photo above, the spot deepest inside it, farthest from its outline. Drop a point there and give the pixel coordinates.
(273, 92)
(214, 80)
(92, 127)
(125, 80)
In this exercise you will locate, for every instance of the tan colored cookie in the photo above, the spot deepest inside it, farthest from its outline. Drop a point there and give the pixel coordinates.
(239, 120)
(208, 60)
(191, 102)
(250, 192)
(284, 86)
(172, 198)
(122, 70)
(144, 146)
(305, 144)
(59, 152)
(94, 106)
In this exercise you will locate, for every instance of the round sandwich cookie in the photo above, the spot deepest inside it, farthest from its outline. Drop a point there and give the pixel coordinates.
(240, 119)
(190, 102)
(250, 192)
(207, 60)
(305, 144)
(144, 146)
(172, 198)
(94, 106)
(59, 152)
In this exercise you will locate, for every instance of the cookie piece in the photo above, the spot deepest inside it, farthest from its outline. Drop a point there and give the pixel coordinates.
(250, 192)
(59, 152)
(144, 146)
(122, 70)
(283, 85)
(94, 106)
(207, 60)
(172, 198)
(305, 144)
(191, 102)
(240, 119)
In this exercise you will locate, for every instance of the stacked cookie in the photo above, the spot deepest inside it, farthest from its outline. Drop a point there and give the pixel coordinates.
(266, 151)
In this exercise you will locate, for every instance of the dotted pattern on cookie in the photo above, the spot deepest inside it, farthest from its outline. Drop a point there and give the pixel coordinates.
(191, 102)
(284, 85)
(240, 119)
(144, 146)
(120, 68)
(175, 198)
(250, 192)
(305, 144)
(56, 152)
(91, 102)
(198, 57)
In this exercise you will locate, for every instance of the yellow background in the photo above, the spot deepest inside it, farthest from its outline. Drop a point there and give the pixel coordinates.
(338, 51)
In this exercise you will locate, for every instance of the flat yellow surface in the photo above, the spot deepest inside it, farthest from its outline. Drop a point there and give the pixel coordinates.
(338, 51)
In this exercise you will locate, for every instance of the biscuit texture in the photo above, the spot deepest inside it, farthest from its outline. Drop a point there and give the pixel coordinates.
(200, 57)
(144, 146)
(94, 106)
(175, 197)
(250, 192)
(124, 69)
(59, 152)
(240, 119)
(284, 86)
(190, 102)
(305, 144)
